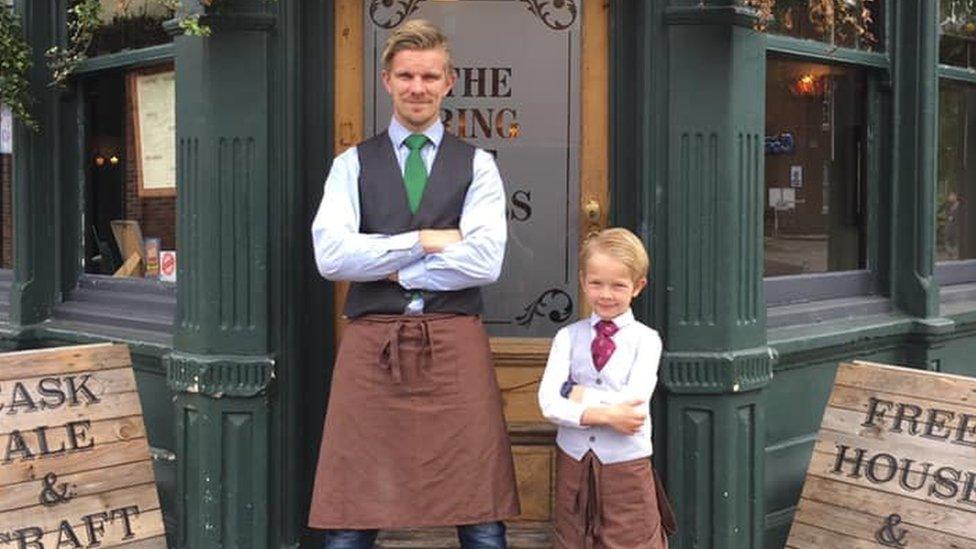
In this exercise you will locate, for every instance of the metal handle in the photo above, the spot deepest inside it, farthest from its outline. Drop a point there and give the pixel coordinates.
(592, 210)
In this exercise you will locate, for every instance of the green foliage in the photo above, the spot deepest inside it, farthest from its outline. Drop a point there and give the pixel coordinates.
(15, 61)
(84, 18)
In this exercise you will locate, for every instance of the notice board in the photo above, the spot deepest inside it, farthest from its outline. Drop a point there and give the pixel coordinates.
(894, 463)
(75, 469)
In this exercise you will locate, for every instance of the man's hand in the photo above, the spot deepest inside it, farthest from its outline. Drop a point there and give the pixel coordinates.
(434, 240)
(576, 394)
(625, 418)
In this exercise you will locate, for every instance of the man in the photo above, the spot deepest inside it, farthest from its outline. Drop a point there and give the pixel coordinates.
(415, 218)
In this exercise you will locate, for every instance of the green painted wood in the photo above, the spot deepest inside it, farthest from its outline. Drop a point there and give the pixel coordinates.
(915, 128)
(825, 52)
(222, 474)
(36, 175)
(717, 363)
(151, 55)
(222, 365)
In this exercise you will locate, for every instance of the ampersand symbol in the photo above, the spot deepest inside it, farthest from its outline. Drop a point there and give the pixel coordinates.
(887, 536)
(51, 494)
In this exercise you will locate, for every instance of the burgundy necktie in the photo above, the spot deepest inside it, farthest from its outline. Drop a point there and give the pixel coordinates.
(603, 346)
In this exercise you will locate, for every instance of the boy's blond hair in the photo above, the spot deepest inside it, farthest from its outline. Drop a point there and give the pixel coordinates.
(415, 34)
(620, 244)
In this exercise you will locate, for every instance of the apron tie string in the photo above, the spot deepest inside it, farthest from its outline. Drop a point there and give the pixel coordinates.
(588, 499)
(390, 353)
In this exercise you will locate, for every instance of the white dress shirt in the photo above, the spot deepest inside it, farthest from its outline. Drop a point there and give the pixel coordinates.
(343, 253)
(630, 374)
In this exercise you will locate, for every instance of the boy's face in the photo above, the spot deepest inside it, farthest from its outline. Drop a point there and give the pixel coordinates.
(608, 285)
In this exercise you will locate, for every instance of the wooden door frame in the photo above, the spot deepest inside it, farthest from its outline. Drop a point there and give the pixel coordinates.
(349, 128)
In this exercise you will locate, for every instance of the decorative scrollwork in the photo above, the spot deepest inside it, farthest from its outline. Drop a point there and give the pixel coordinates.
(548, 304)
(555, 14)
(390, 13)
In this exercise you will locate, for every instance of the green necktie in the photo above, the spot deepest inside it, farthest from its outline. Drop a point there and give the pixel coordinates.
(415, 172)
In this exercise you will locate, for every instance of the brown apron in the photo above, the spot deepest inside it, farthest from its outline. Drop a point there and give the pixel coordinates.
(414, 434)
(616, 506)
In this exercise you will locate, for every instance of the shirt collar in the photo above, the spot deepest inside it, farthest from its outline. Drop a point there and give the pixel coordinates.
(434, 132)
(622, 320)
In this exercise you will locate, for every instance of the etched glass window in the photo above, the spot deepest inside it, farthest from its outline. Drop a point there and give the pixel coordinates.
(6, 188)
(517, 95)
(814, 168)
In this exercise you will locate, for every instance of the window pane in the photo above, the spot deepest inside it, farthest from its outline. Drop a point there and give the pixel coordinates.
(815, 135)
(827, 21)
(957, 177)
(957, 43)
(6, 185)
(129, 25)
(130, 194)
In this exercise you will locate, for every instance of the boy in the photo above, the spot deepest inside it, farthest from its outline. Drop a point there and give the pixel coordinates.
(596, 387)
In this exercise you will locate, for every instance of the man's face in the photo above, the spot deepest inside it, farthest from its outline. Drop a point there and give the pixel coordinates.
(418, 81)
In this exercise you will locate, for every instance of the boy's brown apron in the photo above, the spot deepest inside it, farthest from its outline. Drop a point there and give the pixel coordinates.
(616, 506)
(414, 434)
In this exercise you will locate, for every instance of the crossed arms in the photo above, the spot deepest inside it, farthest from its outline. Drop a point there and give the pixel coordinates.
(436, 260)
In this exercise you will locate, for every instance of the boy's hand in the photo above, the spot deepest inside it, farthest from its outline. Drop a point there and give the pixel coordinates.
(434, 240)
(625, 417)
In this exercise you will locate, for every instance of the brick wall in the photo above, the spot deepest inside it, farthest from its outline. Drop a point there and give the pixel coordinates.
(6, 212)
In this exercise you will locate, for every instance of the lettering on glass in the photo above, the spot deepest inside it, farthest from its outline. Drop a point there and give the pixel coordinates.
(72, 439)
(517, 98)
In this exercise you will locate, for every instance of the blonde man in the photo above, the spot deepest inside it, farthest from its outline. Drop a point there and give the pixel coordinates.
(415, 219)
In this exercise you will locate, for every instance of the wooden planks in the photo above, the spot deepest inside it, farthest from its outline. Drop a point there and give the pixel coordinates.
(75, 469)
(894, 464)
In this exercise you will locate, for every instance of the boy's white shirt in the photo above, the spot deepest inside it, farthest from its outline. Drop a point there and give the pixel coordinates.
(630, 374)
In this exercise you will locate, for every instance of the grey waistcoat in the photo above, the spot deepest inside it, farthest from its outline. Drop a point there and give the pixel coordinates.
(384, 210)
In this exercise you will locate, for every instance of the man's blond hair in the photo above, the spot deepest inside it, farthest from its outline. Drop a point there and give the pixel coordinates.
(620, 244)
(416, 34)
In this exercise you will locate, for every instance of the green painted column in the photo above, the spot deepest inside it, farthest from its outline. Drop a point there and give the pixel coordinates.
(915, 82)
(36, 176)
(717, 361)
(222, 366)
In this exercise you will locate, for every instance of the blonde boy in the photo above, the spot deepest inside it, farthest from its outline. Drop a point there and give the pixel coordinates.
(596, 388)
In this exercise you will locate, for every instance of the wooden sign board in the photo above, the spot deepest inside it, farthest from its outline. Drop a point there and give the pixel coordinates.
(74, 460)
(894, 464)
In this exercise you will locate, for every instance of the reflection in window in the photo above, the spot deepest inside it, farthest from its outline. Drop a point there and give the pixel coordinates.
(957, 44)
(815, 134)
(6, 188)
(121, 218)
(955, 228)
(129, 25)
(846, 23)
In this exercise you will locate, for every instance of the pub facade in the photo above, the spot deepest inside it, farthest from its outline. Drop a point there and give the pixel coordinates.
(801, 184)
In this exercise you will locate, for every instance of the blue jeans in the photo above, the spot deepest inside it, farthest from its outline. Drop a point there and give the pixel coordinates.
(487, 535)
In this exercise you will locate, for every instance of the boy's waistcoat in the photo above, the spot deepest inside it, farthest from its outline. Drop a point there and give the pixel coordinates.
(384, 209)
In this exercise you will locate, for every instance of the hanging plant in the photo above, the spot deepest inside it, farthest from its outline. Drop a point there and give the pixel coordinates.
(15, 61)
(84, 18)
(829, 17)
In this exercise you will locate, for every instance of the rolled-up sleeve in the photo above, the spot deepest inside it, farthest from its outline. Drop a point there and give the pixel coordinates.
(341, 251)
(555, 407)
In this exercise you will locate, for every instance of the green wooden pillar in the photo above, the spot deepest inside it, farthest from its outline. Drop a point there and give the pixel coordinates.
(717, 362)
(36, 174)
(915, 81)
(221, 367)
